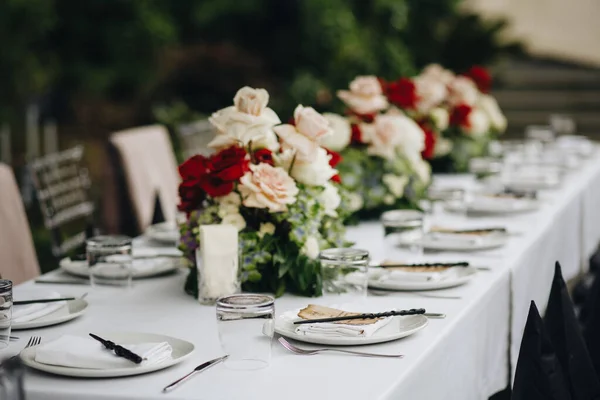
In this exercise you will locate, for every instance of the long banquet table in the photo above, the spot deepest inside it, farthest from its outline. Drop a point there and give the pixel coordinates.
(469, 355)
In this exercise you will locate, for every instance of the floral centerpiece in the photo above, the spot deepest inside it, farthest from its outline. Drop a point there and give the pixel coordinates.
(276, 184)
(381, 150)
(456, 112)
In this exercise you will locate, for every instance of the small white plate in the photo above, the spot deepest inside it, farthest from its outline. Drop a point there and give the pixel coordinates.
(397, 328)
(71, 310)
(501, 207)
(181, 350)
(160, 265)
(462, 276)
(165, 232)
(441, 242)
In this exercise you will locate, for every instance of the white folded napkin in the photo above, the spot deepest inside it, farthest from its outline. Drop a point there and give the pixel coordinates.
(331, 329)
(407, 276)
(85, 352)
(453, 238)
(30, 312)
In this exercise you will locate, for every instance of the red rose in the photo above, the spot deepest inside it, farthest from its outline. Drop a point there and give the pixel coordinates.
(402, 93)
(216, 187)
(194, 168)
(430, 139)
(333, 161)
(193, 172)
(264, 156)
(229, 165)
(356, 134)
(481, 77)
(460, 116)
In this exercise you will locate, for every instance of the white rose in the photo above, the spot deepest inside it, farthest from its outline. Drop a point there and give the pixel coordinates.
(440, 118)
(239, 134)
(330, 198)
(355, 201)
(342, 133)
(443, 146)
(311, 248)
(266, 228)
(439, 73)
(490, 107)
(311, 124)
(303, 148)
(392, 132)
(365, 95)
(430, 93)
(268, 187)
(236, 220)
(462, 90)
(315, 173)
(478, 123)
(395, 184)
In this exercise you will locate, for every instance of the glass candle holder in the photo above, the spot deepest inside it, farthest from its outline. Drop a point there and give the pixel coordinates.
(6, 304)
(246, 326)
(110, 260)
(403, 234)
(344, 272)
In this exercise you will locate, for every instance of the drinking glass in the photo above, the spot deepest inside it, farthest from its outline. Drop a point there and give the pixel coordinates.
(246, 325)
(109, 260)
(483, 167)
(6, 302)
(403, 229)
(344, 273)
(437, 196)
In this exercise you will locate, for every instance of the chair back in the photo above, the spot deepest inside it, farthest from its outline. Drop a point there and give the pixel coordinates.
(62, 186)
(150, 169)
(18, 260)
(195, 137)
(11, 379)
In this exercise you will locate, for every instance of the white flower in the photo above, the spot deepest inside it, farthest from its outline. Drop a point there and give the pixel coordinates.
(365, 95)
(443, 146)
(330, 199)
(430, 93)
(395, 184)
(478, 123)
(315, 173)
(311, 247)
(342, 133)
(226, 209)
(248, 120)
(232, 198)
(463, 90)
(355, 201)
(440, 118)
(236, 220)
(311, 124)
(490, 107)
(269, 187)
(266, 228)
(439, 73)
(388, 199)
(390, 133)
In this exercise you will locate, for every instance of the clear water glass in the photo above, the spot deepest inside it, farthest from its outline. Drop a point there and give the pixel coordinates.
(246, 326)
(110, 260)
(483, 167)
(6, 304)
(404, 231)
(344, 273)
(437, 196)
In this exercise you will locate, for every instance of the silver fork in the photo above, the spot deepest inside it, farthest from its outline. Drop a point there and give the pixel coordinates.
(33, 341)
(297, 350)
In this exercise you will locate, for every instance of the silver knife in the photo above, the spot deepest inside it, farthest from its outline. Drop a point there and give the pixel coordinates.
(199, 368)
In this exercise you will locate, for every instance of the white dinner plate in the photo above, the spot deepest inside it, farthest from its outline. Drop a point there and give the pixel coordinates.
(442, 242)
(71, 310)
(377, 280)
(397, 328)
(143, 268)
(165, 232)
(501, 207)
(181, 350)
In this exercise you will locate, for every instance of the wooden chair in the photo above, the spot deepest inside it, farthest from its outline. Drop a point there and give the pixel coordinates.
(18, 260)
(194, 138)
(62, 186)
(149, 169)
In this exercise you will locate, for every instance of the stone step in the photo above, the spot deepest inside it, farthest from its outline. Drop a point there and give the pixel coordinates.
(548, 100)
(548, 77)
(587, 121)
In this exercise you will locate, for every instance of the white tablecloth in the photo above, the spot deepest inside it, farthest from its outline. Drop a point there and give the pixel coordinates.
(463, 357)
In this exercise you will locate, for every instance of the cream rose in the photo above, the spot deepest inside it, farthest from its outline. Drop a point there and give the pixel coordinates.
(462, 90)
(365, 95)
(304, 148)
(269, 187)
(430, 93)
(479, 123)
(392, 132)
(236, 220)
(440, 118)
(438, 73)
(311, 124)
(342, 133)
(251, 101)
(314, 173)
(490, 107)
(330, 198)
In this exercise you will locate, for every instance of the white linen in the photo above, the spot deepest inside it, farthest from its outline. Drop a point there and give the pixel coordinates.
(30, 312)
(331, 329)
(454, 238)
(407, 276)
(83, 352)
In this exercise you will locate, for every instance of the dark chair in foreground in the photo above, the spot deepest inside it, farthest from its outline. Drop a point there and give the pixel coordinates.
(11, 379)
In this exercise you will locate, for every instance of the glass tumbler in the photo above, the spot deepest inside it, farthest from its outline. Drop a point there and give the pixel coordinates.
(246, 325)
(404, 231)
(6, 303)
(110, 260)
(344, 273)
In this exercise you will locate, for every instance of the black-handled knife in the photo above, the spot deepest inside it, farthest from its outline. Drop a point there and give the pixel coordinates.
(120, 351)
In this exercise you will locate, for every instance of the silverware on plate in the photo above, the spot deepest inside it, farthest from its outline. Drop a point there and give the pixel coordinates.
(304, 352)
(201, 367)
(394, 313)
(23, 302)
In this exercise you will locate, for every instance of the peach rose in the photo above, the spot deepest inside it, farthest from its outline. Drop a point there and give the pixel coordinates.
(311, 124)
(462, 90)
(430, 93)
(292, 140)
(365, 95)
(392, 132)
(438, 73)
(269, 187)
